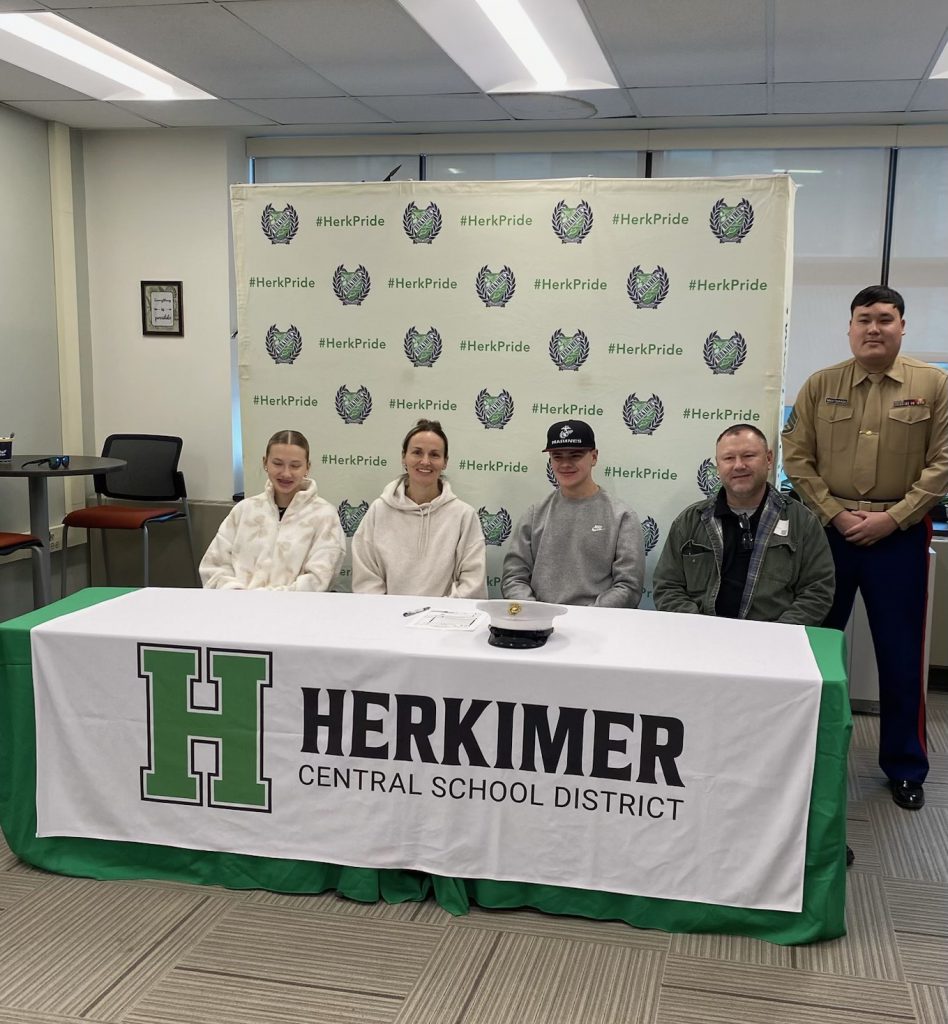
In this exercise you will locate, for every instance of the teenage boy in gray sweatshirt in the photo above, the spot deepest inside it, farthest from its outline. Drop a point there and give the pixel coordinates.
(579, 545)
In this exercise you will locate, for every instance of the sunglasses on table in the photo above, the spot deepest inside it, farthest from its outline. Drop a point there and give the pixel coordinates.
(54, 462)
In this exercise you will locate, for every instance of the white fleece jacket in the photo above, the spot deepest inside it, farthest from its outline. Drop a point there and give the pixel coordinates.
(433, 550)
(255, 550)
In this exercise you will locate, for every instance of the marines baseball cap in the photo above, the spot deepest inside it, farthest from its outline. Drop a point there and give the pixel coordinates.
(572, 435)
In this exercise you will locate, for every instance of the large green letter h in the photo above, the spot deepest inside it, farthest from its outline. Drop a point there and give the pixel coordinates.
(232, 724)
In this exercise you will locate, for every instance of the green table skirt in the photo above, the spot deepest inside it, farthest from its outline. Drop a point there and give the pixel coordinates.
(822, 916)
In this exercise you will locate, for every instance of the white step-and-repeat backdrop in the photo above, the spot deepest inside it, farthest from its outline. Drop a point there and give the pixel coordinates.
(656, 310)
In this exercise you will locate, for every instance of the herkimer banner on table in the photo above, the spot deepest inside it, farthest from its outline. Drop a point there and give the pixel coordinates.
(630, 754)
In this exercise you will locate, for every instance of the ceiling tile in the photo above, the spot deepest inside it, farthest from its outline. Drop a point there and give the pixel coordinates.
(365, 47)
(933, 95)
(541, 106)
(691, 100)
(925, 117)
(206, 46)
(680, 42)
(194, 113)
(840, 97)
(335, 110)
(608, 102)
(461, 107)
(84, 114)
(816, 41)
(69, 5)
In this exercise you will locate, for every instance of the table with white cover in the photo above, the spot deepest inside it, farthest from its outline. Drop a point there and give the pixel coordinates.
(671, 771)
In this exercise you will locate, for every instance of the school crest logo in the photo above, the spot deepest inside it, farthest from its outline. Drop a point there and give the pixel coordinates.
(351, 515)
(351, 286)
(731, 223)
(648, 289)
(496, 289)
(572, 223)
(643, 417)
(708, 479)
(353, 406)
(569, 351)
(650, 534)
(494, 411)
(496, 526)
(724, 355)
(422, 225)
(280, 226)
(284, 346)
(422, 349)
(550, 475)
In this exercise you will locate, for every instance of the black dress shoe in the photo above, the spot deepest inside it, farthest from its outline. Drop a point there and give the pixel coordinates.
(909, 795)
(850, 856)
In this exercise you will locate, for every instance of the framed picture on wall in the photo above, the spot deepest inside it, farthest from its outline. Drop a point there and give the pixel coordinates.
(162, 308)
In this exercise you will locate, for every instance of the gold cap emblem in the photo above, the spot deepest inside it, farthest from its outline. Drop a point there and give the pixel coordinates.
(514, 608)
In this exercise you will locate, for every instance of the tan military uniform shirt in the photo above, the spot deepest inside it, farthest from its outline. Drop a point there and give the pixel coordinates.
(908, 434)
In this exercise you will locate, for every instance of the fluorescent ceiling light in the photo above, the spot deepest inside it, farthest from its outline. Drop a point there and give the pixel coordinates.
(54, 48)
(940, 70)
(517, 45)
(522, 36)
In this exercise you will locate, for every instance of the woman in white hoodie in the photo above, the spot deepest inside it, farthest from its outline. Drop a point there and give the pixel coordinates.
(418, 538)
(287, 538)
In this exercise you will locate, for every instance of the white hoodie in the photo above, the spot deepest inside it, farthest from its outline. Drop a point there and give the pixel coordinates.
(256, 550)
(433, 550)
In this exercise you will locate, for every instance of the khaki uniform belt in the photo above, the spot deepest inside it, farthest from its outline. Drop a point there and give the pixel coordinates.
(854, 505)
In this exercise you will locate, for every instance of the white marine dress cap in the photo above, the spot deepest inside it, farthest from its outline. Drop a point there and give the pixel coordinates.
(520, 624)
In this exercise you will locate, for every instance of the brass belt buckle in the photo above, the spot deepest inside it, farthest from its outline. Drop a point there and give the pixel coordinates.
(864, 506)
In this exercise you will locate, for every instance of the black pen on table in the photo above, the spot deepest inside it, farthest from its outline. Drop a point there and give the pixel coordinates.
(416, 611)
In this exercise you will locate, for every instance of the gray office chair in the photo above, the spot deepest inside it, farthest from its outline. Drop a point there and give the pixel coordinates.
(151, 475)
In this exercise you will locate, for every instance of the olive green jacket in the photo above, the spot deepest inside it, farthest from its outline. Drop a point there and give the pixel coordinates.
(790, 577)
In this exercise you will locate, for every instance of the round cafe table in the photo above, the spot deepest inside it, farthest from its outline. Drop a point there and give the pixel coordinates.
(37, 477)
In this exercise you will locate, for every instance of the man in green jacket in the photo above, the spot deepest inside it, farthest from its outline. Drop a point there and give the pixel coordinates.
(749, 552)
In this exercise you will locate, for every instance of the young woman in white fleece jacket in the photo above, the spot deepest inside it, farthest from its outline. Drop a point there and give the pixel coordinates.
(287, 538)
(418, 537)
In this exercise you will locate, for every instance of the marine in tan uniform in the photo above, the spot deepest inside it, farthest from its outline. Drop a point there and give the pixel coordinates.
(866, 446)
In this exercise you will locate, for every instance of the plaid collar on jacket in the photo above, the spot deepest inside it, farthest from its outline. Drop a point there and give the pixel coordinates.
(775, 506)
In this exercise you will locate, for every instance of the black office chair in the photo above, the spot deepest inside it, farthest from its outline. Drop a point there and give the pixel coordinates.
(10, 542)
(151, 475)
